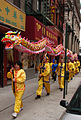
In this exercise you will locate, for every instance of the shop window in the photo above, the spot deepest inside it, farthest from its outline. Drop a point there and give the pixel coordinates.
(58, 40)
(17, 3)
(28, 6)
(29, 2)
(27, 60)
(38, 5)
(56, 16)
(1, 60)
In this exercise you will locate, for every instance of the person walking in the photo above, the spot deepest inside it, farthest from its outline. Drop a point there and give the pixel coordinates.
(44, 78)
(78, 66)
(18, 84)
(61, 72)
(70, 67)
(54, 66)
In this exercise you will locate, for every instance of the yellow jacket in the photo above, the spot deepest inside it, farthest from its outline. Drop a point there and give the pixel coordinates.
(46, 72)
(51, 66)
(78, 63)
(75, 64)
(20, 78)
(70, 66)
(61, 69)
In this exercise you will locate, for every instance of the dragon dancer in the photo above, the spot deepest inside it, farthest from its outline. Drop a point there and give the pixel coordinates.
(61, 72)
(44, 78)
(18, 86)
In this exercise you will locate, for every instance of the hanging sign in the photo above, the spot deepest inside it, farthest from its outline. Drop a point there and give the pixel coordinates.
(11, 15)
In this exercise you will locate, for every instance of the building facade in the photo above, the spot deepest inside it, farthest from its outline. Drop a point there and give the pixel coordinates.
(49, 14)
(12, 18)
(72, 18)
(46, 17)
(37, 19)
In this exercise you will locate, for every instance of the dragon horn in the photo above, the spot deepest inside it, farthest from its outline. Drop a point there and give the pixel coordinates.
(18, 34)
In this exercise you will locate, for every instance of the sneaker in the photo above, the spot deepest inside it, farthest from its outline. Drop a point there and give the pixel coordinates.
(37, 97)
(21, 109)
(14, 114)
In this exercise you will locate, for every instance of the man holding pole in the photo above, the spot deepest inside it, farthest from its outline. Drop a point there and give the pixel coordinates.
(18, 86)
(44, 78)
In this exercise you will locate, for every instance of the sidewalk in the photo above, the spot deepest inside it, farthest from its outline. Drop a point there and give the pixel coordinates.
(46, 108)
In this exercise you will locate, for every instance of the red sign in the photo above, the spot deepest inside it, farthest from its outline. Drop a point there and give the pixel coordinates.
(35, 30)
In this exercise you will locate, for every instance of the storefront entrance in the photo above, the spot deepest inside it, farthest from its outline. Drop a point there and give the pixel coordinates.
(1, 61)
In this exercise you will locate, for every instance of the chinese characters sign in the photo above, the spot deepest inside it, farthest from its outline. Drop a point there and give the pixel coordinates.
(10, 15)
(35, 30)
(42, 31)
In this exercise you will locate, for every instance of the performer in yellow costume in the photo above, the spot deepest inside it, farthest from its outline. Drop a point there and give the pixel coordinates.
(44, 78)
(78, 66)
(18, 84)
(61, 72)
(51, 68)
(73, 69)
(75, 66)
(70, 69)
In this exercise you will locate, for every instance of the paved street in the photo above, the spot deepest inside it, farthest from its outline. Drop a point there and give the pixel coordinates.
(46, 108)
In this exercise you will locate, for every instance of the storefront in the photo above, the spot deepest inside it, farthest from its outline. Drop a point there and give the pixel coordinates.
(35, 31)
(11, 19)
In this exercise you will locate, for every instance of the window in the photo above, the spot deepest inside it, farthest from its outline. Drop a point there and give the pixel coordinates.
(58, 40)
(17, 3)
(38, 5)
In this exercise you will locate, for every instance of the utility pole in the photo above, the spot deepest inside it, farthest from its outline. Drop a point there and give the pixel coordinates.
(65, 81)
(72, 27)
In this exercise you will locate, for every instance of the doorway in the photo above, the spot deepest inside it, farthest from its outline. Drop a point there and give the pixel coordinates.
(1, 61)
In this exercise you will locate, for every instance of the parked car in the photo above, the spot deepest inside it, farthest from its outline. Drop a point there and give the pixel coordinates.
(73, 109)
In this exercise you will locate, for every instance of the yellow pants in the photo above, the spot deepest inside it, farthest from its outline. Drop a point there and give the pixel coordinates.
(18, 101)
(40, 87)
(70, 75)
(77, 70)
(61, 82)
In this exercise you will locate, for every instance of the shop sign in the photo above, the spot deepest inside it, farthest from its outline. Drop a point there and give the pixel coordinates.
(42, 31)
(12, 16)
(52, 13)
(36, 31)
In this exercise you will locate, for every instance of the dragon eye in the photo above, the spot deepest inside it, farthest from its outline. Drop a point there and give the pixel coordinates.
(12, 36)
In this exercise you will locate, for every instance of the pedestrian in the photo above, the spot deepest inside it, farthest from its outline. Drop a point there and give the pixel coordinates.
(51, 68)
(44, 78)
(61, 72)
(78, 66)
(70, 67)
(18, 83)
(73, 68)
(54, 66)
(75, 65)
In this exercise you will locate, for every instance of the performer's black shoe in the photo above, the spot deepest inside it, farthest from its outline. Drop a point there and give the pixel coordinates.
(38, 97)
(48, 94)
(61, 89)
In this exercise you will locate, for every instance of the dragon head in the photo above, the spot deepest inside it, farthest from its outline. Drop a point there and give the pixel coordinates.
(11, 39)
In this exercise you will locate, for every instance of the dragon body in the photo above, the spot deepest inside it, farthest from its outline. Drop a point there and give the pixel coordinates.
(14, 39)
